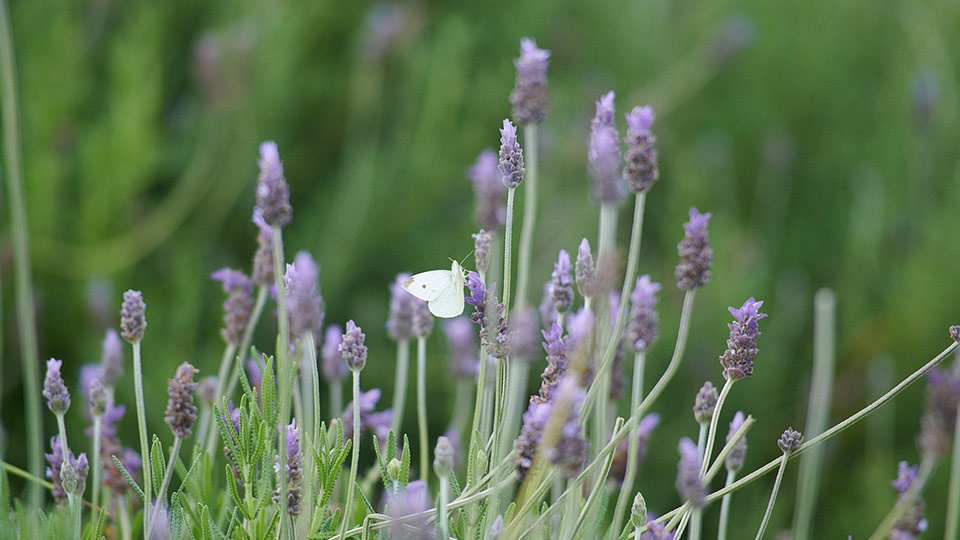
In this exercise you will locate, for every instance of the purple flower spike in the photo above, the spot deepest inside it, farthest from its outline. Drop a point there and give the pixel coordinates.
(263, 258)
(641, 169)
(464, 363)
(111, 361)
(689, 484)
(58, 397)
(695, 253)
(561, 283)
(237, 306)
(705, 403)
(294, 473)
(133, 319)
(352, 349)
(579, 325)
(912, 524)
(400, 319)
(603, 155)
(790, 441)
(511, 156)
(734, 461)
(273, 194)
(332, 366)
(529, 96)
(304, 303)
(643, 325)
(414, 499)
(555, 344)
(586, 270)
(181, 412)
(737, 360)
(481, 249)
(488, 190)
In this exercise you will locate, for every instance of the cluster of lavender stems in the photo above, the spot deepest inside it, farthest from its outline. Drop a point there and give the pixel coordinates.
(560, 462)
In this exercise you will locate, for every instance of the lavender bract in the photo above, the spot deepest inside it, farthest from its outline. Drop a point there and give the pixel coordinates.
(481, 249)
(585, 271)
(643, 324)
(304, 302)
(790, 441)
(294, 473)
(705, 403)
(695, 253)
(237, 306)
(561, 283)
(352, 349)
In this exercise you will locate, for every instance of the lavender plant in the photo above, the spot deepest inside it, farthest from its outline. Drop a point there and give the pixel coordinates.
(565, 462)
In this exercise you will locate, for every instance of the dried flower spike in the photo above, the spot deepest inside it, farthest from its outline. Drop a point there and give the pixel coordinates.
(641, 169)
(695, 253)
(133, 319)
(181, 412)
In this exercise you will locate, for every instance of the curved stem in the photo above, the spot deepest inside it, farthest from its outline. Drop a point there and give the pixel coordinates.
(714, 420)
(422, 407)
(725, 508)
(773, 499)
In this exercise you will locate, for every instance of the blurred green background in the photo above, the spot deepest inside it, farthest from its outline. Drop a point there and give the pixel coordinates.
(821, 135)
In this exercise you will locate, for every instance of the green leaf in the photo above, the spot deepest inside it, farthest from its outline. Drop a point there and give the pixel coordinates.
(176, 516)
(205, 532)
(235, 494)
(101, 520)
(126, 475)
(455, 485)
(157, 465)
(366, 501)
(269, 390)
(405, 462)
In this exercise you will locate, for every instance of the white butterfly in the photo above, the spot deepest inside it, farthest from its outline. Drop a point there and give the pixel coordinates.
(442, 289)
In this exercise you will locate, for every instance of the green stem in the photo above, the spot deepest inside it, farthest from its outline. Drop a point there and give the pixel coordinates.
(599, 485)
(355, 456)
(97, 428)
(142, 429)
(507, 250)
(714, 420)
(400, 384)
(953, 493)
(725, 508)
(626, 489)
(773, 499)
(477, 414)
(444, 525)
(26, 313)
(529, 213)
(161, 496)
(422, 407)
(283, 367)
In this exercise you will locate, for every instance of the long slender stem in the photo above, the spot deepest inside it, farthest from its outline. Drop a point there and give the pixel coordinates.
(400, 384)
(161, 495)
(773, 499)
(26, 314)
(97, 428)
(508, 250)
(529, 213)
(144, 444)
(355, 456)
(626, 489)
(283, 367)
(725, 508)
(714, 420)
(422, 407)
(953, 493)
(600, 484)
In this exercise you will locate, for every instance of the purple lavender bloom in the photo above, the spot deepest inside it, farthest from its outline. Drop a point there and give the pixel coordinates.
(332, 366)
(73, 474)
(555, 344)
(525, 446)
(111, 361)
(523, 327)
(912, 524)
(304, 303)
(603, 155)
(181, 412)
(511, 156)
(656, 531)
(734, 461)
(237, 306)
(414, 499)
(481, 248)
(263, 258)
(579, 326)
(529, 96)
(464, 362)
(790, 441)
(97, 398)
(133, 320)
(940, 416)
(488, 314)
(643, 325)
(641, 169)
(586, 271)
(352, 349)
(548, 312)
(689, 484)
(58, 397)
(400, 320)
(705, 403)
(55, 459)
(273, 194)
(488, 189)
(76, 471)
(737, 360)
(376, 422)
(561, 283)
(294, 473)
(695, 253)
(955, 332)
(644, 429)
(571, 449)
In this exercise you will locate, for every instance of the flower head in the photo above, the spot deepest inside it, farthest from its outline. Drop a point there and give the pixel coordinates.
(133, 319)
(529, 96)
(555, 344)
(181, 412)
(400, 319)
(737, 360)
(481, 249)
(67, 472)
(273, 194)
(488, 190)
(294, 473)
(304, 303)
(586, 270)
(443, 455)
(695, 253)
(641, 169)
(643, 325)
(263, 258)
(912, 524)
(352, 349)
(705, 403)
(735, 458)
(111, 361)
(689, 483)
(561, 283)
(511, 156)
(603, 155)
(790, 441)
(237, 306)
(58, 397)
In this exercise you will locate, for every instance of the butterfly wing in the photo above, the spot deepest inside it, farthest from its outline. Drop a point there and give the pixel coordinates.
(449, 303)
(430, 285)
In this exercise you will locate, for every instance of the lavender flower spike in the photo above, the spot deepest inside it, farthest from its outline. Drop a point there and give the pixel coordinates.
(705, 403)
(529, 96)
(511, 156)
(237, 306)
(586, 271)
(643, 324)
(481, 248)
(111, 362)
(912, 524)
(488, 190)
(695, 253)
(58, 397)
(737, 360)
(181, 412)
(294, 473)
(561, 283)
(689, 483)
(641, 169)
(133, 319)
(400, 319)
(273, 194)
(304, 303)
(603, 155)
(790, 441)
(352, 349)
(734, 461)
